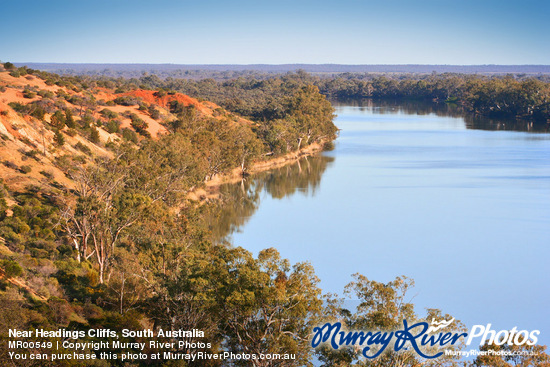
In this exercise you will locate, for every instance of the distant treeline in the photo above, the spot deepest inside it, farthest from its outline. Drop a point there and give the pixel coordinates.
(231, 71)
(508, 95)
(260, 99)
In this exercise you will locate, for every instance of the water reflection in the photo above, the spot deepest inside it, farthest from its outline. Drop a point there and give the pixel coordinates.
(422, 108)
(483, 123)
(240, 201)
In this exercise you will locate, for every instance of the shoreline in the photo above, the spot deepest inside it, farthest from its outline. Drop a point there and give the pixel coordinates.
(210, 190)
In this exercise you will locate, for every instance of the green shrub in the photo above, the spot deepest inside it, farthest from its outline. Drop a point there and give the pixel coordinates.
(47, 174)
(58, 120)
(17, 107)
(139, 125)
(11, 268)
(27, 93)
(32, 154)
(126, 101)
(26, 141)
(45, 93)
(58, 138)
(94, 135)
(3, 206)
(61, 93)
(71, 132)
(107, 113)
(39, 113)
(160, 93)
(153, 112)
(25, 169)
(112, 126)
(69, 119)
(10, 165)
(9, 66)
(83, 148)
(129, 135)
(86, 121)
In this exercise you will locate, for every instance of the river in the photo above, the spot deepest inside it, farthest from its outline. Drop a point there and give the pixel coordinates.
(459, 204)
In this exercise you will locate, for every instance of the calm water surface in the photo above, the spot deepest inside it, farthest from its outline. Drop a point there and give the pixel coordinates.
(463, 211)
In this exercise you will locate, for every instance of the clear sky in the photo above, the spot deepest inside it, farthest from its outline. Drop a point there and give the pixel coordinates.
(276, 32)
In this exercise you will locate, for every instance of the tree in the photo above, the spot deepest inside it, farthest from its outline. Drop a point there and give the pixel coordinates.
(94, 135)
(87, 121)
(153, 112)
(9, 66)
(58, 138)
(69, 119)
(130, 135)
(116, 194)
(11, 268)
(102, 212)
(184, 290)
(126, 289)
(311, 115)
(244, 146)
(165, 169)
(247, 304)
(3, 203)
(139, 125)
(280, 136)
(267, 305)
(212, 150)
(58, 120)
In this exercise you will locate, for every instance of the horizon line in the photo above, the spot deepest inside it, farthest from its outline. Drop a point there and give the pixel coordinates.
(257, 64)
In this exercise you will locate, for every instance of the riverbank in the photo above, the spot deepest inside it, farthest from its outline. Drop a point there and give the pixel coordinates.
(211, 189)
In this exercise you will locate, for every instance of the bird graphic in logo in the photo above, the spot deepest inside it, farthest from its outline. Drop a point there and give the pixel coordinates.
(436, 325)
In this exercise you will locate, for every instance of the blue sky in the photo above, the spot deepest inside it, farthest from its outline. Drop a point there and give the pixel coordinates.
(275, 32)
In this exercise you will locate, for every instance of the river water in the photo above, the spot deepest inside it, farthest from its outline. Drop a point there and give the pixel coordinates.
(459, 204)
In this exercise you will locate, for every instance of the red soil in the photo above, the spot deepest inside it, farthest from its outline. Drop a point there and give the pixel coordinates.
(150, 96)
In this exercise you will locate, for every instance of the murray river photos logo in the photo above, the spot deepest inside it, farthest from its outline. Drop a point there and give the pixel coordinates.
(420, 337)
